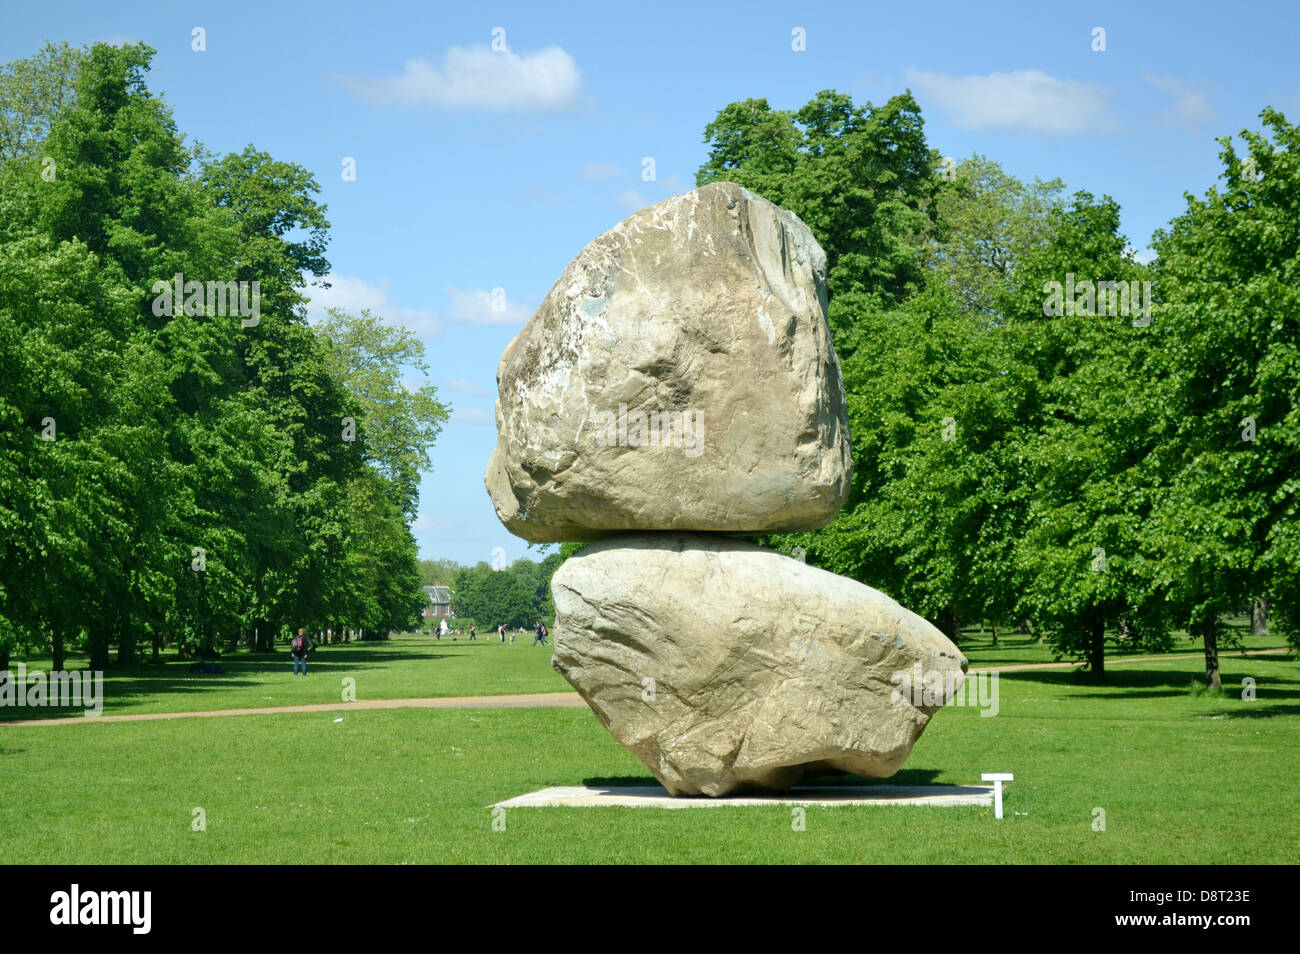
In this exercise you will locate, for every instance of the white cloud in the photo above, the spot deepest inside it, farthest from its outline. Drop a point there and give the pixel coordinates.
(599, 171)
(474, 415)
(1021, 101)
(631, 200)
(1190, 108)
(541, 196)
(477, 77)
(462, 386)
(478, 306)
(353, 294)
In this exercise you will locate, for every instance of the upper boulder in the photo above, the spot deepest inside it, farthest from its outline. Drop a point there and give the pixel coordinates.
(678, 376)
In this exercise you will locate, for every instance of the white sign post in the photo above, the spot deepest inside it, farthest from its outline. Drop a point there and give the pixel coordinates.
(997, 778)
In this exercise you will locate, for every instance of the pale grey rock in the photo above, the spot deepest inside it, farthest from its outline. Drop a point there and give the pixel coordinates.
(723, 666)
(710, 305)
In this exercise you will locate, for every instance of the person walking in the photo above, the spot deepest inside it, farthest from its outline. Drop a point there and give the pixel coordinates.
(442, 629)
(473, 631)
(501, 632)
(541, 634)
(299, 646)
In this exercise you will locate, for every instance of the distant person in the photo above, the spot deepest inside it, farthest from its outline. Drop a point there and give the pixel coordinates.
(443, 628)
(299, 646)
(473, 632)
(501, 632)
(541, 634)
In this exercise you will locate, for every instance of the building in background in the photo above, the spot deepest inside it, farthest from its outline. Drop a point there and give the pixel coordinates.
(440, 605)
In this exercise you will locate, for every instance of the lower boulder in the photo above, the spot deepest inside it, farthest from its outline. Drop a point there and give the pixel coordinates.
(726, 667)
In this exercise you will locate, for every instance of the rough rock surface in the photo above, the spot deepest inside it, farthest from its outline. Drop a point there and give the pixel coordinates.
(726, 667)
(710, 304)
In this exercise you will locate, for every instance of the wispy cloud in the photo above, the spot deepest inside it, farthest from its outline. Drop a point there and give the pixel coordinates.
(353, 294)
(1191, 107)
(600, 171)
(478, 77)
(477, 306)
(632, 200)
(1021, 101)
(463, 386)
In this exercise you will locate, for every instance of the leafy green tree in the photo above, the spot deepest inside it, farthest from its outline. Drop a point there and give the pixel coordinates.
(1228, 340)
(859, 176)
(1081, 560)
(988, 221)
(438, 571)
(32, 92)
(399, 425)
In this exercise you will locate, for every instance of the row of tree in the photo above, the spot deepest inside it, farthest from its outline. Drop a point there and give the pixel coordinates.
(1122, 465)
(177, 469)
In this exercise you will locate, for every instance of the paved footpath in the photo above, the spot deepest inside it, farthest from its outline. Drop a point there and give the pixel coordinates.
(529, 700)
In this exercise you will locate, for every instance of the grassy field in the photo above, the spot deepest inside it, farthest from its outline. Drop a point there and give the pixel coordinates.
(411, 667)
(405, 668)
(1182, 776)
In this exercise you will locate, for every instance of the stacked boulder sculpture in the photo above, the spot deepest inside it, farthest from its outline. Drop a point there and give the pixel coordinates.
(678, 388)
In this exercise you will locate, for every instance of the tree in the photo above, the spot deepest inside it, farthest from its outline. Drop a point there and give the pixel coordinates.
(438, 571)
(1228, 337)
(32, 93)
(987, 223)
(398, 425)
(860, 177)
(1082, 560)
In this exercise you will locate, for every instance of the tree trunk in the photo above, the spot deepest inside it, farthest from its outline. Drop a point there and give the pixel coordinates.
(1210, 633)
(60, 656)
(157, 640)
(1097, 645)
(126, 647)
(99, 643)
(1259, 617)
(995, 633)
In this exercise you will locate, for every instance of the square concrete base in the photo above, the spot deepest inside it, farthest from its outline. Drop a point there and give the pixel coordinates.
(655, 796)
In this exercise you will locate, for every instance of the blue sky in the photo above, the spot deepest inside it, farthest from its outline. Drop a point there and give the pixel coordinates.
(479, 170)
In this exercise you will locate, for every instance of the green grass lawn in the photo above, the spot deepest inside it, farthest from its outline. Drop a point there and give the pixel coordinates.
(404, 668)
(413, 667)
(1181, 776)
(1013, 649)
